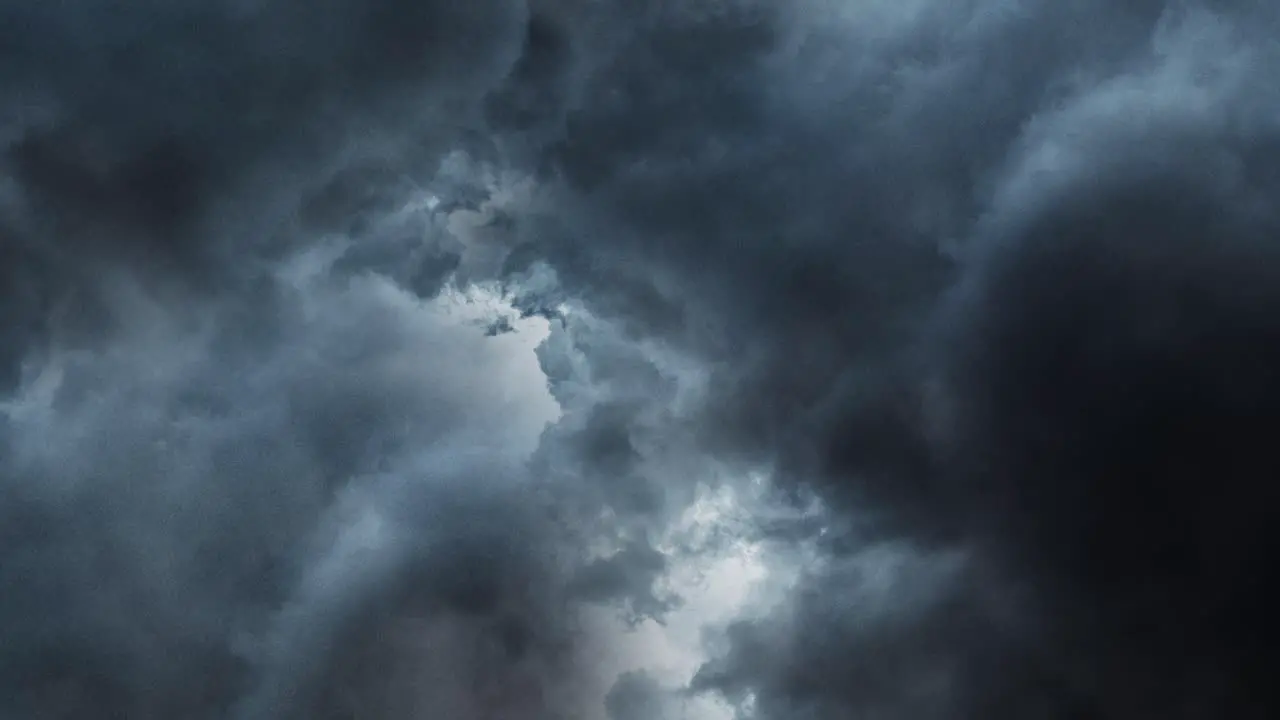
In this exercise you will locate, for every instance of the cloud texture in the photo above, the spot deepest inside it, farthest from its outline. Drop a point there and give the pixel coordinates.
(353, 353)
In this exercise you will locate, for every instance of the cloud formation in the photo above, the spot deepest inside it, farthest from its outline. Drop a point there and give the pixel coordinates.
(994, 279)
(351, 352)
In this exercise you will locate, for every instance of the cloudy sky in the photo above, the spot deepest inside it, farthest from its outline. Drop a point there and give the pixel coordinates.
(639, 359)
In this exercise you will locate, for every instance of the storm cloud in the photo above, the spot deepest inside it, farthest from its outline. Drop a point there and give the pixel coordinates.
(354, 354)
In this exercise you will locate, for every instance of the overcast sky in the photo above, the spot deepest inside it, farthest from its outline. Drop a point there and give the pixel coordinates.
(638, 360)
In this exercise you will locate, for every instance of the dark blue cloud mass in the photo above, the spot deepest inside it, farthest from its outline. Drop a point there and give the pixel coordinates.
(352, 352)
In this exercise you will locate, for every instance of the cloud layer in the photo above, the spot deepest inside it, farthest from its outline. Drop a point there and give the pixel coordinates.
(353, 356)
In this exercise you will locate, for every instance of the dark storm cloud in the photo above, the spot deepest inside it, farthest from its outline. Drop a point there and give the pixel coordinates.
(995, 278)
(236, 480)
(192, 531)
(637, 696)
(1127, 441)
(774, 191)
(620, 462)
(629, 575)
(180, 138)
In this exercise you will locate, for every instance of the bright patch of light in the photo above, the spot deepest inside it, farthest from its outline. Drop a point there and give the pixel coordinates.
(715, 581)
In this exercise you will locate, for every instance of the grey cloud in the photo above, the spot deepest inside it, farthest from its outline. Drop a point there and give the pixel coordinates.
(986, 275)
(993, 280)
(179, 139)
(188, 534)
(619, 439)
(628, 575)
(894, 631)
(637, 696)
(435, 559)
(618, 461)
(248, 458)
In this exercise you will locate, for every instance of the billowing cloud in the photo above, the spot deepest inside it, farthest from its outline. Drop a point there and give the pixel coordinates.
(994, 280)
(356, 356)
